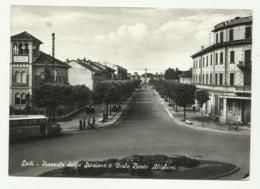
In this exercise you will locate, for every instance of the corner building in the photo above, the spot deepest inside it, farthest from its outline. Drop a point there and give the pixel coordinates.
(27, 65)
(224, 69)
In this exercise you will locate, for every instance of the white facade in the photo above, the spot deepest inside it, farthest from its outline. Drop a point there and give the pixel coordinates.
(80, 75)
(224, 69)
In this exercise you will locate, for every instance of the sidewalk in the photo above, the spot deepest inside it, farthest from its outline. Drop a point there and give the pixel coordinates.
(72, 125)
(194, 119)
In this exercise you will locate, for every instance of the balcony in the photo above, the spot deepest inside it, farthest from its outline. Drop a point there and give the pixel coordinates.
(244, 66)
(243, 89)
(226, 88)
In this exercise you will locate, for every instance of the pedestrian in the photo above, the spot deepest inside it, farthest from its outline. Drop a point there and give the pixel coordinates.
(84, 123)
(80, 124)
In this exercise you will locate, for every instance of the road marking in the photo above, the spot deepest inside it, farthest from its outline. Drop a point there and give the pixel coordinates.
(166, 109)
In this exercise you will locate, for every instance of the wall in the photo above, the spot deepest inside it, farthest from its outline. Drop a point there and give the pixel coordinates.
(79, 75)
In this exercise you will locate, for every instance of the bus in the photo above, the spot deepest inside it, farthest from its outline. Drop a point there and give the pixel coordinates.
(31, 126)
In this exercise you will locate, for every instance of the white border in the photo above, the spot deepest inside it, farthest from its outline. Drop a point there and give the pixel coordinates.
(27, 182)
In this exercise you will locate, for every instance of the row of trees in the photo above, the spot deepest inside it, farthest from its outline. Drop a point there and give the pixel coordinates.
(170, 73)
(180, 94)
(52, 96)
(113, 92)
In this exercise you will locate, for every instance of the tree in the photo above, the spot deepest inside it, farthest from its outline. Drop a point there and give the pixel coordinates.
(202, 96)
(48, 96)
(184, 96)
(170, 73)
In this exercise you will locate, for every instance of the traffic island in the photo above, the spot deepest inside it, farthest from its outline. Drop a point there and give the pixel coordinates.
(146, 166)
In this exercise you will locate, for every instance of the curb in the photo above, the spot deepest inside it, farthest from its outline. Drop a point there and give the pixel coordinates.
(98, 128)
(197, 128)
(224, 174)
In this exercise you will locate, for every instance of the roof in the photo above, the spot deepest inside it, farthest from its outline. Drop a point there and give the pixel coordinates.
(224, 44)
(44, 59)
(93, 66)
(234, 22)
(25, 36)
(187, 73)
(25, 117)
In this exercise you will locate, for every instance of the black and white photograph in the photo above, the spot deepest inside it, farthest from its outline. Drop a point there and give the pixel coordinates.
(123, 92)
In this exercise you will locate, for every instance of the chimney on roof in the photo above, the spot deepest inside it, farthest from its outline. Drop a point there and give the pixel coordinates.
(202, 47)
(53, 45)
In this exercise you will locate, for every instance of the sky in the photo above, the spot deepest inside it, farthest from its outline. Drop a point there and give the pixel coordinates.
(134, 38)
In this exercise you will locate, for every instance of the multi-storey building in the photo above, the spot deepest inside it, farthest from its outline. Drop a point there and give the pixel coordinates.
(88, 73)
(186, 76)
(121, 73)
(27, 68)
(224, 69)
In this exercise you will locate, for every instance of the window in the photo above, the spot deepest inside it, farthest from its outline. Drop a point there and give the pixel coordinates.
(211, 59)
(203, 79)
(20, 48)
(231, 78)
(207, 61)
(18, 77)
(231, 35)
(232, 56)
(216, 79)
(210, 79)
(216, 59)
(200, 62)
(26, 48)
(206, 78)
(248, 33)
(203, 62)
(221, 58)
(216, 38)
(17, 98)
(221, 79)
(24, 78)
(15, 48)
(23, 99)
(221, 37)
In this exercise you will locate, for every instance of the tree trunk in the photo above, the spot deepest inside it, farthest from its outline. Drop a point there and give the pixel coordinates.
(201, 118)
(184, 113)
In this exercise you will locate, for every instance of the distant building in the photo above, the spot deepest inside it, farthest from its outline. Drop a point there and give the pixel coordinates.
(88, 73)
(120, 72)
(135, 76)
(28, 66)
(224, 69)
(186, 77)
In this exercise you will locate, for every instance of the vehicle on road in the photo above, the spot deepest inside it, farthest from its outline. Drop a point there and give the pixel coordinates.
(31, 126)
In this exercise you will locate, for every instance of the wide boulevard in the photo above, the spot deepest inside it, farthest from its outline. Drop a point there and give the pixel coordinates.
(145, 128)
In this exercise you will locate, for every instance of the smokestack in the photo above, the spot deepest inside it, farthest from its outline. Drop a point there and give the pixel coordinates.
(53, 45)
(53, 59)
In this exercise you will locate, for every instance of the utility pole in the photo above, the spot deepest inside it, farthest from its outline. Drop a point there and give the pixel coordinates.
(145, 75)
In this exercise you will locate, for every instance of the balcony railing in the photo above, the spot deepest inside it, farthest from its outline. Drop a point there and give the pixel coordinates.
(244, 66)
(225, 88)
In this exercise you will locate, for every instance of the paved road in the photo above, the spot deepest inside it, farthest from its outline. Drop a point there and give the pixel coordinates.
(146, 128)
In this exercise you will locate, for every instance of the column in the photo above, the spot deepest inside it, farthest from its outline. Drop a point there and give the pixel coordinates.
(225, 110)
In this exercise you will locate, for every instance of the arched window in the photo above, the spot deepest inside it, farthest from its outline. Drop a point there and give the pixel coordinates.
(24, 75)
(18, 77)
(15, 48)
(26, 48)
(23, 99)
(17, 98)
(20, 48)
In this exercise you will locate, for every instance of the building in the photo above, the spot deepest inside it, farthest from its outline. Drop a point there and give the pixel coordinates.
(27, 68)
(135, 76)
(88, 73)
(186, 77)
(224, 69)
(120, 73)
